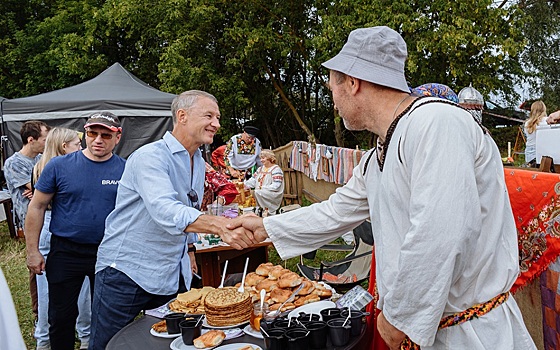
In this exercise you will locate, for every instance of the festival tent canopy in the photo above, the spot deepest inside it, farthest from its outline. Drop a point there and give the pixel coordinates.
(144, 111)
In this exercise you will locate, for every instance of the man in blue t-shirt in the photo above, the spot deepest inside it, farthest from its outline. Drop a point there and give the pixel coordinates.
(81, 188)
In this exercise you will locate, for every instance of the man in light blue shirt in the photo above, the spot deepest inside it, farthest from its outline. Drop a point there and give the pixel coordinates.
(140, 262)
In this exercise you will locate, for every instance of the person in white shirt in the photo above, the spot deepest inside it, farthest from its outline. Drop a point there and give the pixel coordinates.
(536, 117)
(267, 183)
(242, 153)
(445, 237)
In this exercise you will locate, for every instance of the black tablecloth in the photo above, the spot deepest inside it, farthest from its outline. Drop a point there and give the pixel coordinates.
(136, 336)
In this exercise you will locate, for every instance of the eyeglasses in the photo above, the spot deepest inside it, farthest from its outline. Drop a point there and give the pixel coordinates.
(193, 197)
(94, 134)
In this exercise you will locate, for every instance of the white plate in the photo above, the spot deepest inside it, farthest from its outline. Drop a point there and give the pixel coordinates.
(163, 334)
(230, 333)
(178, 344)
(205, 324)
(253, 333)
(237, 346)
(312, 308)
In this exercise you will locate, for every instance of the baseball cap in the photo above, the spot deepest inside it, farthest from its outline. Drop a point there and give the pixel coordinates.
(105, 119)
(375, 54)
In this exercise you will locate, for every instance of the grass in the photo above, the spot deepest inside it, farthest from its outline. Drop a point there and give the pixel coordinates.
(12, 262)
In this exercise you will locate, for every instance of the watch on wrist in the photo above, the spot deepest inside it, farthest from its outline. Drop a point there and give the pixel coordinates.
(191, 249)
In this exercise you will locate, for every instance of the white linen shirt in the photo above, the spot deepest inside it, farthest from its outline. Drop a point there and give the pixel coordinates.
(445, 237)
(144, 235)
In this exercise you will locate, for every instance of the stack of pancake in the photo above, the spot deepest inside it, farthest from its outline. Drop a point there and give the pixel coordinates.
(226, 307)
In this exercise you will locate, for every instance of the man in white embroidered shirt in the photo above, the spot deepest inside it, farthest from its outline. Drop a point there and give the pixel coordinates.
(445, 237)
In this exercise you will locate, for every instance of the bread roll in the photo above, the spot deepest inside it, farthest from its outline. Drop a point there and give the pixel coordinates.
(280, 295)
(263, 269)
(307, 287)
(266, 284)
(286, 307)
(211, 338)
(289, 280)
(252, 279)
(277, 271)
(307, 299)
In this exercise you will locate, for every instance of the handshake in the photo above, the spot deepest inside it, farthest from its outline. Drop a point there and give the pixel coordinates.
(243, 231)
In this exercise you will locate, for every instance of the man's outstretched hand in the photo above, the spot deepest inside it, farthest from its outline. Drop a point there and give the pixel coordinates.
(250, 223)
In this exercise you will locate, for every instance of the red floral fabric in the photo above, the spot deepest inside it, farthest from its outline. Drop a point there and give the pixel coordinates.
(535, 201)
(217, 184)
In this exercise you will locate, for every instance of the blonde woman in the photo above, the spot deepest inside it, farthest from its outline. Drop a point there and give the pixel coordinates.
(268, 183)
(536, 117)
(60, 141)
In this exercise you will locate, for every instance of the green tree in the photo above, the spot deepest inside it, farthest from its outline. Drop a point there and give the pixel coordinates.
(542, 53)
(262, 59)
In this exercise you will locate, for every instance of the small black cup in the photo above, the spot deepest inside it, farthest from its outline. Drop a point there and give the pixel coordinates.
(172, 320)
(340, 335)
(306, 318)
(280, 323)
(297, 338)
(274, 339)
(357, 318)
(330, 313)
(318, 333)
(190, 330)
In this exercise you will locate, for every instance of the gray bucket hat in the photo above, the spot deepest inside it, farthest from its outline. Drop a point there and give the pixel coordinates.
(375, 54)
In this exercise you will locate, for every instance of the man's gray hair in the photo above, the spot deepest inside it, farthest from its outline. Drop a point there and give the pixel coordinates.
(186, 100)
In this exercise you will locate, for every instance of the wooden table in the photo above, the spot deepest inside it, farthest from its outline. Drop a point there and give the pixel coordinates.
(136, 336)
(211, 261)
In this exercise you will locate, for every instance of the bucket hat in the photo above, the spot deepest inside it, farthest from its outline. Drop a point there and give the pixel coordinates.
(375, 54)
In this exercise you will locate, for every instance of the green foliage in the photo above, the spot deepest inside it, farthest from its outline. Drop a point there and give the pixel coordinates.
(503, 135)
(261, 59)
(542, 52)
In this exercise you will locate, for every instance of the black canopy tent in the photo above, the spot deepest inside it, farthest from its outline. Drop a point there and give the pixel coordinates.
(145, 112)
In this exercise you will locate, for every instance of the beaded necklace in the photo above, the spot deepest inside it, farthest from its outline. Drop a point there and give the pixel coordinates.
(383, 146)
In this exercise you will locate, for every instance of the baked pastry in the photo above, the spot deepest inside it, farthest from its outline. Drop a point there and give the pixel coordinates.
(190, 296)
(266, 284)
(286, 307)
(321, 290)
(211, 338)
(307, 288)
(263, 269)
(289, 280)
(279, 295)
(275, 272)
(252, 279)
(160, 327)
(247, 347)
(306, 299)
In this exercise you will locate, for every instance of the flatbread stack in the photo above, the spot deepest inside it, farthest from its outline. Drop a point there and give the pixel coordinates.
(227, 307)
(191, 302)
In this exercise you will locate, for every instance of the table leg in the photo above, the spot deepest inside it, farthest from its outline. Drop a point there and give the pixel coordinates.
(210, 269)
(10, 218)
